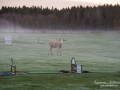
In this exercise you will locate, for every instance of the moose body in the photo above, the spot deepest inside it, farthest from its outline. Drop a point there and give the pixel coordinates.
(56, 44)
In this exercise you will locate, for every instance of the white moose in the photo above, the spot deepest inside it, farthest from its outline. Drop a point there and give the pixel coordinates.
(56, 44)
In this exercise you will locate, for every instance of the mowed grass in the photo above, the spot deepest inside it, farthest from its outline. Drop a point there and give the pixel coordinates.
(59, 82)
(95, 51)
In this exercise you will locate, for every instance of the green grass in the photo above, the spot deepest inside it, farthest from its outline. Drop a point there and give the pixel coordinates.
(95, 51)
(58, 82)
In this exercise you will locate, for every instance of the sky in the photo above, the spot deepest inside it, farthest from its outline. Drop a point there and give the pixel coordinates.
(59, 4)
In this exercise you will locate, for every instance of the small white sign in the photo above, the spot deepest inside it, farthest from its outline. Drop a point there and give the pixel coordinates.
(8, 39)
(79, 68)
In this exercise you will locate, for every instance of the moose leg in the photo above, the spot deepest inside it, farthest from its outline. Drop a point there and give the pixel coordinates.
(51, 50)
(48, 52)
(57, 51)
(60, 51)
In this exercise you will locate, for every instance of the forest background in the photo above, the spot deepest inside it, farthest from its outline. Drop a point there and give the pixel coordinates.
(103, 17)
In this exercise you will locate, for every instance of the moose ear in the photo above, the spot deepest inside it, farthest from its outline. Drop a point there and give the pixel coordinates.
(64, 39)
(60, 39)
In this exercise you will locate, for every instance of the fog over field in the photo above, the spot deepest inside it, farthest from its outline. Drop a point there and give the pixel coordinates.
(10, 28)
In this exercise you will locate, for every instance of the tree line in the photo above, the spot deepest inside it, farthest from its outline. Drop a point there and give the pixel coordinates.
(102, 17)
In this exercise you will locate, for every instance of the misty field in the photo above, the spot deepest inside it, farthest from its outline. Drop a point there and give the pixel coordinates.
(94, 51)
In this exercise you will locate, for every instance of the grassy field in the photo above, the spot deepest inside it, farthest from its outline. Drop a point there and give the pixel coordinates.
(95, 51)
